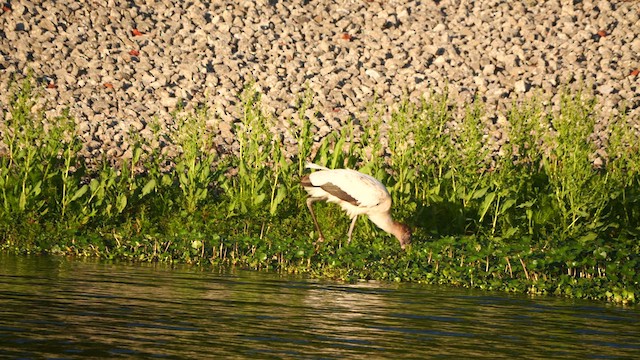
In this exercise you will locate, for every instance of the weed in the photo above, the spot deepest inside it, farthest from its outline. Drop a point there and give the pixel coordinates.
(538, 217)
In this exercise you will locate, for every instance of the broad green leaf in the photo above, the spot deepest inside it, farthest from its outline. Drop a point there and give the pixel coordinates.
(37, 188)
(509, 233)
(183, 179)
(201, 194)
(166, 180)
(23, 201)
(242, 169)
(121, 202)
(205, 172)
(588, 237)
(486, 204)
(148, 187)
(258, 199)
(480, 192)
(79, 193)
(93, 185)
(582, 213)
(137, 152)
(280, 195)
(448, 174)
(100, 194)
(232, 206)
(506, 205)
(527, 204)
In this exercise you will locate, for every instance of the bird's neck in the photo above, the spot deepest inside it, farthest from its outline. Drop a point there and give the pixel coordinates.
(385, 222)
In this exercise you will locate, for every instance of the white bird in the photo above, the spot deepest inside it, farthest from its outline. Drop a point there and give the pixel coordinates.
(357, 194)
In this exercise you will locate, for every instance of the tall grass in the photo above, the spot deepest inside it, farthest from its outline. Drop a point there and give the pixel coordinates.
(539, 217)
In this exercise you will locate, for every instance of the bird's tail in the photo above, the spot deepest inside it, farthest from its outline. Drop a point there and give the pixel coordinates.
(315, 166)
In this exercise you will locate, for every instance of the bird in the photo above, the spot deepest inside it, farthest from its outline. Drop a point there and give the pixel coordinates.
(357, 194)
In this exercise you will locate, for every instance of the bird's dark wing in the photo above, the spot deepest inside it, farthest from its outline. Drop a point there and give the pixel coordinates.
(330, 188)
(339, 193)
(305, 181)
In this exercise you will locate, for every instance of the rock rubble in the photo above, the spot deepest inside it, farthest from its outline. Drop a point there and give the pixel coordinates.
(119, 65)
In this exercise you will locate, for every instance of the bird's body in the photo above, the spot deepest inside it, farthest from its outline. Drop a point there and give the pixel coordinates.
(357, 194)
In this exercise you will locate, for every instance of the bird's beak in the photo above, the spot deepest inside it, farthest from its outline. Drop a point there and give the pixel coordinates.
(406, 241)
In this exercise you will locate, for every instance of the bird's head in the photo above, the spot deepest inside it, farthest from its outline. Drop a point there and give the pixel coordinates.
(404, 235)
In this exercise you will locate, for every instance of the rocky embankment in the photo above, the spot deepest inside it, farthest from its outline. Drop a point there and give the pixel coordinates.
(119, 65)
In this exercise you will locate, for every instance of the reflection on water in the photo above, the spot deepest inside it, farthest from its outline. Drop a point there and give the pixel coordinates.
(58, 308)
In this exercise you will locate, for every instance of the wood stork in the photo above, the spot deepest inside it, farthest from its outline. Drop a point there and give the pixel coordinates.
(357, 194)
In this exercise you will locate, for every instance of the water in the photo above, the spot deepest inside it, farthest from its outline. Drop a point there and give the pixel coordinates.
(53, 307)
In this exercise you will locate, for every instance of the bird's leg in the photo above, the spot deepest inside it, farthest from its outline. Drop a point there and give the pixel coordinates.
(353, 224)
(310, 201)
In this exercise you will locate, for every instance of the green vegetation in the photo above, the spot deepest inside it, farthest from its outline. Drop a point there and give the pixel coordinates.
(538, 218)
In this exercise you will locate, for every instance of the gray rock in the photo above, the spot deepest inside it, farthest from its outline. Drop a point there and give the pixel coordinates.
(203, 52)
(521, 86)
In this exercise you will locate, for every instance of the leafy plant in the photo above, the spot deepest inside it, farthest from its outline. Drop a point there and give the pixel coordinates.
(538, 216)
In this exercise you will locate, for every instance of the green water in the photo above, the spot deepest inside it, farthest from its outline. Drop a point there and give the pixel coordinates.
(53, 307)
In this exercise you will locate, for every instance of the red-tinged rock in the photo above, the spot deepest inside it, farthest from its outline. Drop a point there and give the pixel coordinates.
(5, 8)
(134, 53)
(602, 33)
(51, 86)
(346, 36)
(136, 32)
(108, 85)
(635, 72)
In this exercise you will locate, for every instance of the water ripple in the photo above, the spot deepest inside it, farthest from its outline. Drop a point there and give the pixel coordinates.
(57, 308)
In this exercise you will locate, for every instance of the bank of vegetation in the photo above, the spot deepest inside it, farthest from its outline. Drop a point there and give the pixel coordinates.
(538, 217)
